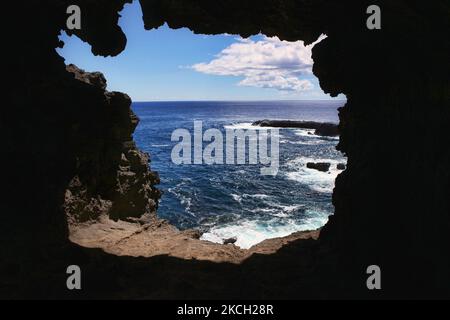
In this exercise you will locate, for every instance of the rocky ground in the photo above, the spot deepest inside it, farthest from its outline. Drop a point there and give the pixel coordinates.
(158, 237)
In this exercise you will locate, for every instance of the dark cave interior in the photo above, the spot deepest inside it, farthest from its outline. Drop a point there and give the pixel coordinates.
(61, 133)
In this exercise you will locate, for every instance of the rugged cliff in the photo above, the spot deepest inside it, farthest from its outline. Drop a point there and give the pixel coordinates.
(112, 175)
(68, 149)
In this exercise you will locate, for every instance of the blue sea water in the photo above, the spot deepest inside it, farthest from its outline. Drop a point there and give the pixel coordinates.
(225, 201)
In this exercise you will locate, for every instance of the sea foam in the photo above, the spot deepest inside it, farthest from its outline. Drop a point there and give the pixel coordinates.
(314, 179)
(251, 232)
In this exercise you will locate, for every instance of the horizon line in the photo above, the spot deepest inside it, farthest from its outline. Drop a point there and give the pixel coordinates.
(256, 100)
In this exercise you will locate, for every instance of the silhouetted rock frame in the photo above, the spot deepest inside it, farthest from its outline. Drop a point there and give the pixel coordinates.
(391, 203)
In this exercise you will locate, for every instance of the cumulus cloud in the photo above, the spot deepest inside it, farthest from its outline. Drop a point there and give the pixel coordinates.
(266, 63)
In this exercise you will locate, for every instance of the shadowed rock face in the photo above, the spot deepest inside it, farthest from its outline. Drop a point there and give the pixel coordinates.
(61, 134)
(113, 176)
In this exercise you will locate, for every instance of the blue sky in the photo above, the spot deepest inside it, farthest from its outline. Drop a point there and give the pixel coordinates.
(177, 65)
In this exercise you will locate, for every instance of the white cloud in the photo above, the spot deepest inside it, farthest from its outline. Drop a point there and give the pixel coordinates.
(267, 63)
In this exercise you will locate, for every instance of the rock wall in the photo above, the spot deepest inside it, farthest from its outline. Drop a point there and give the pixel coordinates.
(68, 141)
(112, 175)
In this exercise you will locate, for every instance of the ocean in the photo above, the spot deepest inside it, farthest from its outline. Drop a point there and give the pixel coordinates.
(236, 201)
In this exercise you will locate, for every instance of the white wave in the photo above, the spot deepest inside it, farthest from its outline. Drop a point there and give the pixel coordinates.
(310, 133)
(316, 180)
(278, 210)
(249, 233)
(281, 215)
(184, 200)
(315, 219)
(306, 133)
(160, 145)
(267, 210)
(237, 197)
(248, 126)
(289, 209)
(284, 208)
(257, 196)
(245, 126)
(308, 142)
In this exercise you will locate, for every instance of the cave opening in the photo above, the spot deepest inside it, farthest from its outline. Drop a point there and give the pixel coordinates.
(68, 142)
(176, 78)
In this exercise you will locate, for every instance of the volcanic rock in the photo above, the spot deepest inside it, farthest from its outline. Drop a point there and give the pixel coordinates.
(341, 166)
(230, 240)
(320, 166)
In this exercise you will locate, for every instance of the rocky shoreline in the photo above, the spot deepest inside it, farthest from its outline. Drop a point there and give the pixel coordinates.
(321, 129)
(158, 237)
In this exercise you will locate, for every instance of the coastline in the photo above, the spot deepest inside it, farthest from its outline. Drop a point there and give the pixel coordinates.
(158, 237)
